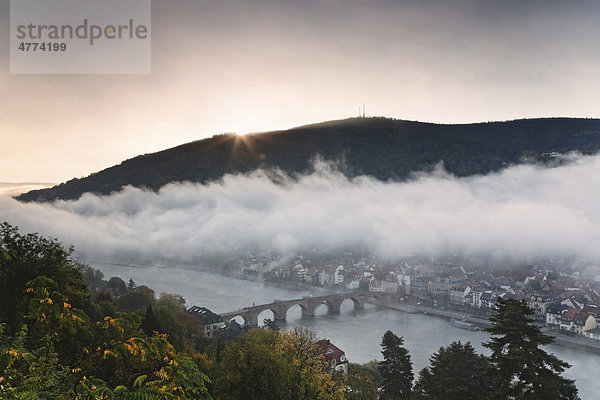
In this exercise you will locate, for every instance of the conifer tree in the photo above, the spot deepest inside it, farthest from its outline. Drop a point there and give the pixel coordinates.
(456, 372)
(523, 370)
(396, 368)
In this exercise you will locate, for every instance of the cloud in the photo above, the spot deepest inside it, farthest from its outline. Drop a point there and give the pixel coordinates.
(524, 212)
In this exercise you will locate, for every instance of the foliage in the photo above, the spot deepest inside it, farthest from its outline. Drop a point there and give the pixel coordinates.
(523, 370)
(360, 384)
(26, 257)
(456, 372)
(271, 324)
(274, 365)
(312, 374)
(59, 352)
(173, 319)
(396, 368)
(372, 367)
(137, 300)
(117, 286)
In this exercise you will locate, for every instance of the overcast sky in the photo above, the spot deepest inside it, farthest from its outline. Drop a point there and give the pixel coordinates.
(251, 65)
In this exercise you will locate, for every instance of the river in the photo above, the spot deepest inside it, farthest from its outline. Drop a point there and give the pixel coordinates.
(358, 333)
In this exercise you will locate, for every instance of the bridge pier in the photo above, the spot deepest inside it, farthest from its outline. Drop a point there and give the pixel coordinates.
(359, 304)
(279, 318)
(308, 312)
(334, 305)
(252, 320)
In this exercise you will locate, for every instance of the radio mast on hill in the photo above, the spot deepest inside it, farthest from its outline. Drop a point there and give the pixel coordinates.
(361, 113)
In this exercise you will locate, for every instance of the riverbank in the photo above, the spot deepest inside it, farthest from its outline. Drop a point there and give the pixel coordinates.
(434, 312)
(559, 339)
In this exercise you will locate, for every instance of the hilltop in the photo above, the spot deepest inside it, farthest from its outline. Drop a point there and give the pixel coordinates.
(386, 149)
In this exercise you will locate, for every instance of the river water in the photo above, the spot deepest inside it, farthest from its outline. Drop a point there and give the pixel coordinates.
(358, 333)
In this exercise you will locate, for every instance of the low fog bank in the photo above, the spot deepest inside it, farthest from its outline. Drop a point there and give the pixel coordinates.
(523, 213)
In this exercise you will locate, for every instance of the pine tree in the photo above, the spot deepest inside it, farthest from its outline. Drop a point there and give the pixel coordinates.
(150, 323)
(395, 369)
(456, 372)
(523, 370)
(131, 285)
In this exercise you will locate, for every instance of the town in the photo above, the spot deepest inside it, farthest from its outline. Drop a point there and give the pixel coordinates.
(564, 299)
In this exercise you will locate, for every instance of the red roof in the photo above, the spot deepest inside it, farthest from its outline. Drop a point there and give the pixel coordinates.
(330, 350)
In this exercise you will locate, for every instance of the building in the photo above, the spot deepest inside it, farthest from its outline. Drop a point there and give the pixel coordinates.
(488, 299)
(420, 284)
(554, 313)
(539, 303)
(212, 322)
(475, 298)
(389, 286)
(442, 284)
(232, 330)
(404, 284)
(569, 318)
(375, 285)
(459, 294)
(590, 329)
(334, 355)
(331, 276)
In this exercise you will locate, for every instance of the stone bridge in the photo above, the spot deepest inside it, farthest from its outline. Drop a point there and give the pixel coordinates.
(308, 304)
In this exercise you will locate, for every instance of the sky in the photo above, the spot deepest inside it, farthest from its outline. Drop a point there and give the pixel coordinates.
(256, 65)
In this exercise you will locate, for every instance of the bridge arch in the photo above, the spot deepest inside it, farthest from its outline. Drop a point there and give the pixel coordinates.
(270, 313)
(294, 306)
(359, 302)
(318, 305)
(244, 319)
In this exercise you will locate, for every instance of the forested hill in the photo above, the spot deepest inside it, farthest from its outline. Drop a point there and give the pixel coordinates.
(380, 147)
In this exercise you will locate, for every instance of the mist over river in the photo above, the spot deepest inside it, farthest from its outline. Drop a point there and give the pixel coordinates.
(358, 333)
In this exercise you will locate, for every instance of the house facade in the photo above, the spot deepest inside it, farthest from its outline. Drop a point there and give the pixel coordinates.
(336, 356)
(212, 322)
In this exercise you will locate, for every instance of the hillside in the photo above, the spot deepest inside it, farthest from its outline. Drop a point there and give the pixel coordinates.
(379, 147)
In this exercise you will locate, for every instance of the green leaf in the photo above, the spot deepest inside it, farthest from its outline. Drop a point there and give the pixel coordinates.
(139, 381)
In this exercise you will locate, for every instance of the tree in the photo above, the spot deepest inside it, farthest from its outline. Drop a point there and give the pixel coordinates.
(26, 257)
(174, 320)
(395, 369)
(267, 364)
(117, 285)
(372, 367)
(456, 372)
(270, 324)
(150, 323)
(131, 285)
(312, 376)
(522, 369)
(137, 300)
(58, 352)
(360, 384)
(254, 368)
